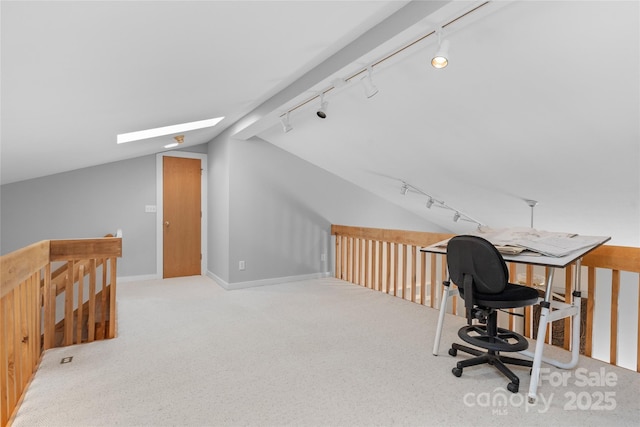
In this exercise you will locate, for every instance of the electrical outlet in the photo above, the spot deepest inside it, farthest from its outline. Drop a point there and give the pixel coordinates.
(241, 266)
(150, 209)
(323, 257)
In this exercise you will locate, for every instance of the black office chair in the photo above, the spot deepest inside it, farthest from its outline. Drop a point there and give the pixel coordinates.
(480, 273)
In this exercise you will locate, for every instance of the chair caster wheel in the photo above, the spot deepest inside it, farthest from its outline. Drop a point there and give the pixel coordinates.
(453, 352)
(513, 387)
(457, 371)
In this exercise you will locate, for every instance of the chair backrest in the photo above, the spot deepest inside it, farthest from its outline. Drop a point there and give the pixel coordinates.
(477, 257)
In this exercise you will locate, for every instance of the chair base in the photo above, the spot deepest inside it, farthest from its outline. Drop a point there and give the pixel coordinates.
(491, 357)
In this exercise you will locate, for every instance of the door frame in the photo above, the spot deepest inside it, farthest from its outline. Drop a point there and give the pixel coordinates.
(160, 205)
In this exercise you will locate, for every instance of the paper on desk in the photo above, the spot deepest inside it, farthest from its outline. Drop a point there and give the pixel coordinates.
(512, 241)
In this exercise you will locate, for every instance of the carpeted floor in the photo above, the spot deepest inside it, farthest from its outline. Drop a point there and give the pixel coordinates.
(314, 353)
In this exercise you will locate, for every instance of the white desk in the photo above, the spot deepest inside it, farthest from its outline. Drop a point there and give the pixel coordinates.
(561, 310)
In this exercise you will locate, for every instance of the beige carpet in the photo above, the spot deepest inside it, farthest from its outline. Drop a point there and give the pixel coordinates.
(314, 353)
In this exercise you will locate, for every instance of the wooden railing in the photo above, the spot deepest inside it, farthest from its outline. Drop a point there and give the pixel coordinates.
(29, 298)
(390, 261)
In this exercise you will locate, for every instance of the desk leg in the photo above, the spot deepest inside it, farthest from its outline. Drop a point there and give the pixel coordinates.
(542, 331)
(547, 316)
(537, 357)
(446, 293)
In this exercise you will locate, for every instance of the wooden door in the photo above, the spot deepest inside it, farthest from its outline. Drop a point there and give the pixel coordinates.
(181, 217)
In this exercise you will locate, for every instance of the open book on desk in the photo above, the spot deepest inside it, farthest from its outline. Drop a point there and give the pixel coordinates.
(513, 241)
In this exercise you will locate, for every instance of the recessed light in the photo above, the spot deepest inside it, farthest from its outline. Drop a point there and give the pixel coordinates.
(167, 130)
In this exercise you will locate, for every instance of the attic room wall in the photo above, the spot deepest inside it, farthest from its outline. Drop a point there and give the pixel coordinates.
(87, 203)
(282, 207)
(218, 207)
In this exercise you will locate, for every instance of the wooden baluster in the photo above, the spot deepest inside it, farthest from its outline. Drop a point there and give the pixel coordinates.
(433, 287)
(350, 259)
(338, 263)
(512, 279)
(374, 259)
(91, 322)
(423, 278)
(549, 332)
(568, 298)
(24, 334)
(403, 275)
(396, 280)
(443, 277)
(380, 267)
(79, 310)
(11, 339)
(367, 275)
(103, 302)
(68, 305)
(528, 312)
(49, 291)
(17, 313)
(388, 264)
(356, 261)
(615, 291)
(413, 273)
(345, 257)
(112, 300)
(591, 300)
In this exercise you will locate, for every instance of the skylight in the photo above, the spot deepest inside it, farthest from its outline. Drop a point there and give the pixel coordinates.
(167, 130)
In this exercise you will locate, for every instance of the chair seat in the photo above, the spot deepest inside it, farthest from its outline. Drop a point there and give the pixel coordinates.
(513, 296)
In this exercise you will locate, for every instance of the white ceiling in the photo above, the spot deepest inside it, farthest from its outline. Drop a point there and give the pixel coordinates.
(541, 100)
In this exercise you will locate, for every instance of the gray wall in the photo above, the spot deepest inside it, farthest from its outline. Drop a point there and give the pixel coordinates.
(88, 202)
(84, 203)
(282, 207)
(218, 206)
(265, 206)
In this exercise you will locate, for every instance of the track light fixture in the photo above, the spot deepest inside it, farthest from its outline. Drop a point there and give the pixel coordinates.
(322, 111)
(369, 88)
(439, 61)
(429, 203)
(441, 58)
(286, 124)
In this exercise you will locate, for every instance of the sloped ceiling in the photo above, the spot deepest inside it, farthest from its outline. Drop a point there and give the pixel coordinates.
(541, 100)
(77, 73)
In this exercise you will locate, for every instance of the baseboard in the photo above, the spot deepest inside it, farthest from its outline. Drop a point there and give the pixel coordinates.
(264, 282)
(125, 279)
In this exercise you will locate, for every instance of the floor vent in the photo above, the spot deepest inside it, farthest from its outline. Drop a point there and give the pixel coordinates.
(66, 360)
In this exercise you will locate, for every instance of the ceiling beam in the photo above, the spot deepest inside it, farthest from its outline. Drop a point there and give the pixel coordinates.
(415, 11)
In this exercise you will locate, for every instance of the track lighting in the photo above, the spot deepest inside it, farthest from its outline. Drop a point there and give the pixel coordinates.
(441, 58)
(458, 215)
(322, 112)
(286, 125)
(369, 88)
(429, 203)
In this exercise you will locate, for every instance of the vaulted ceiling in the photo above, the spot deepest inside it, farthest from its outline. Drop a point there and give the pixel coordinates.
(541, 100)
